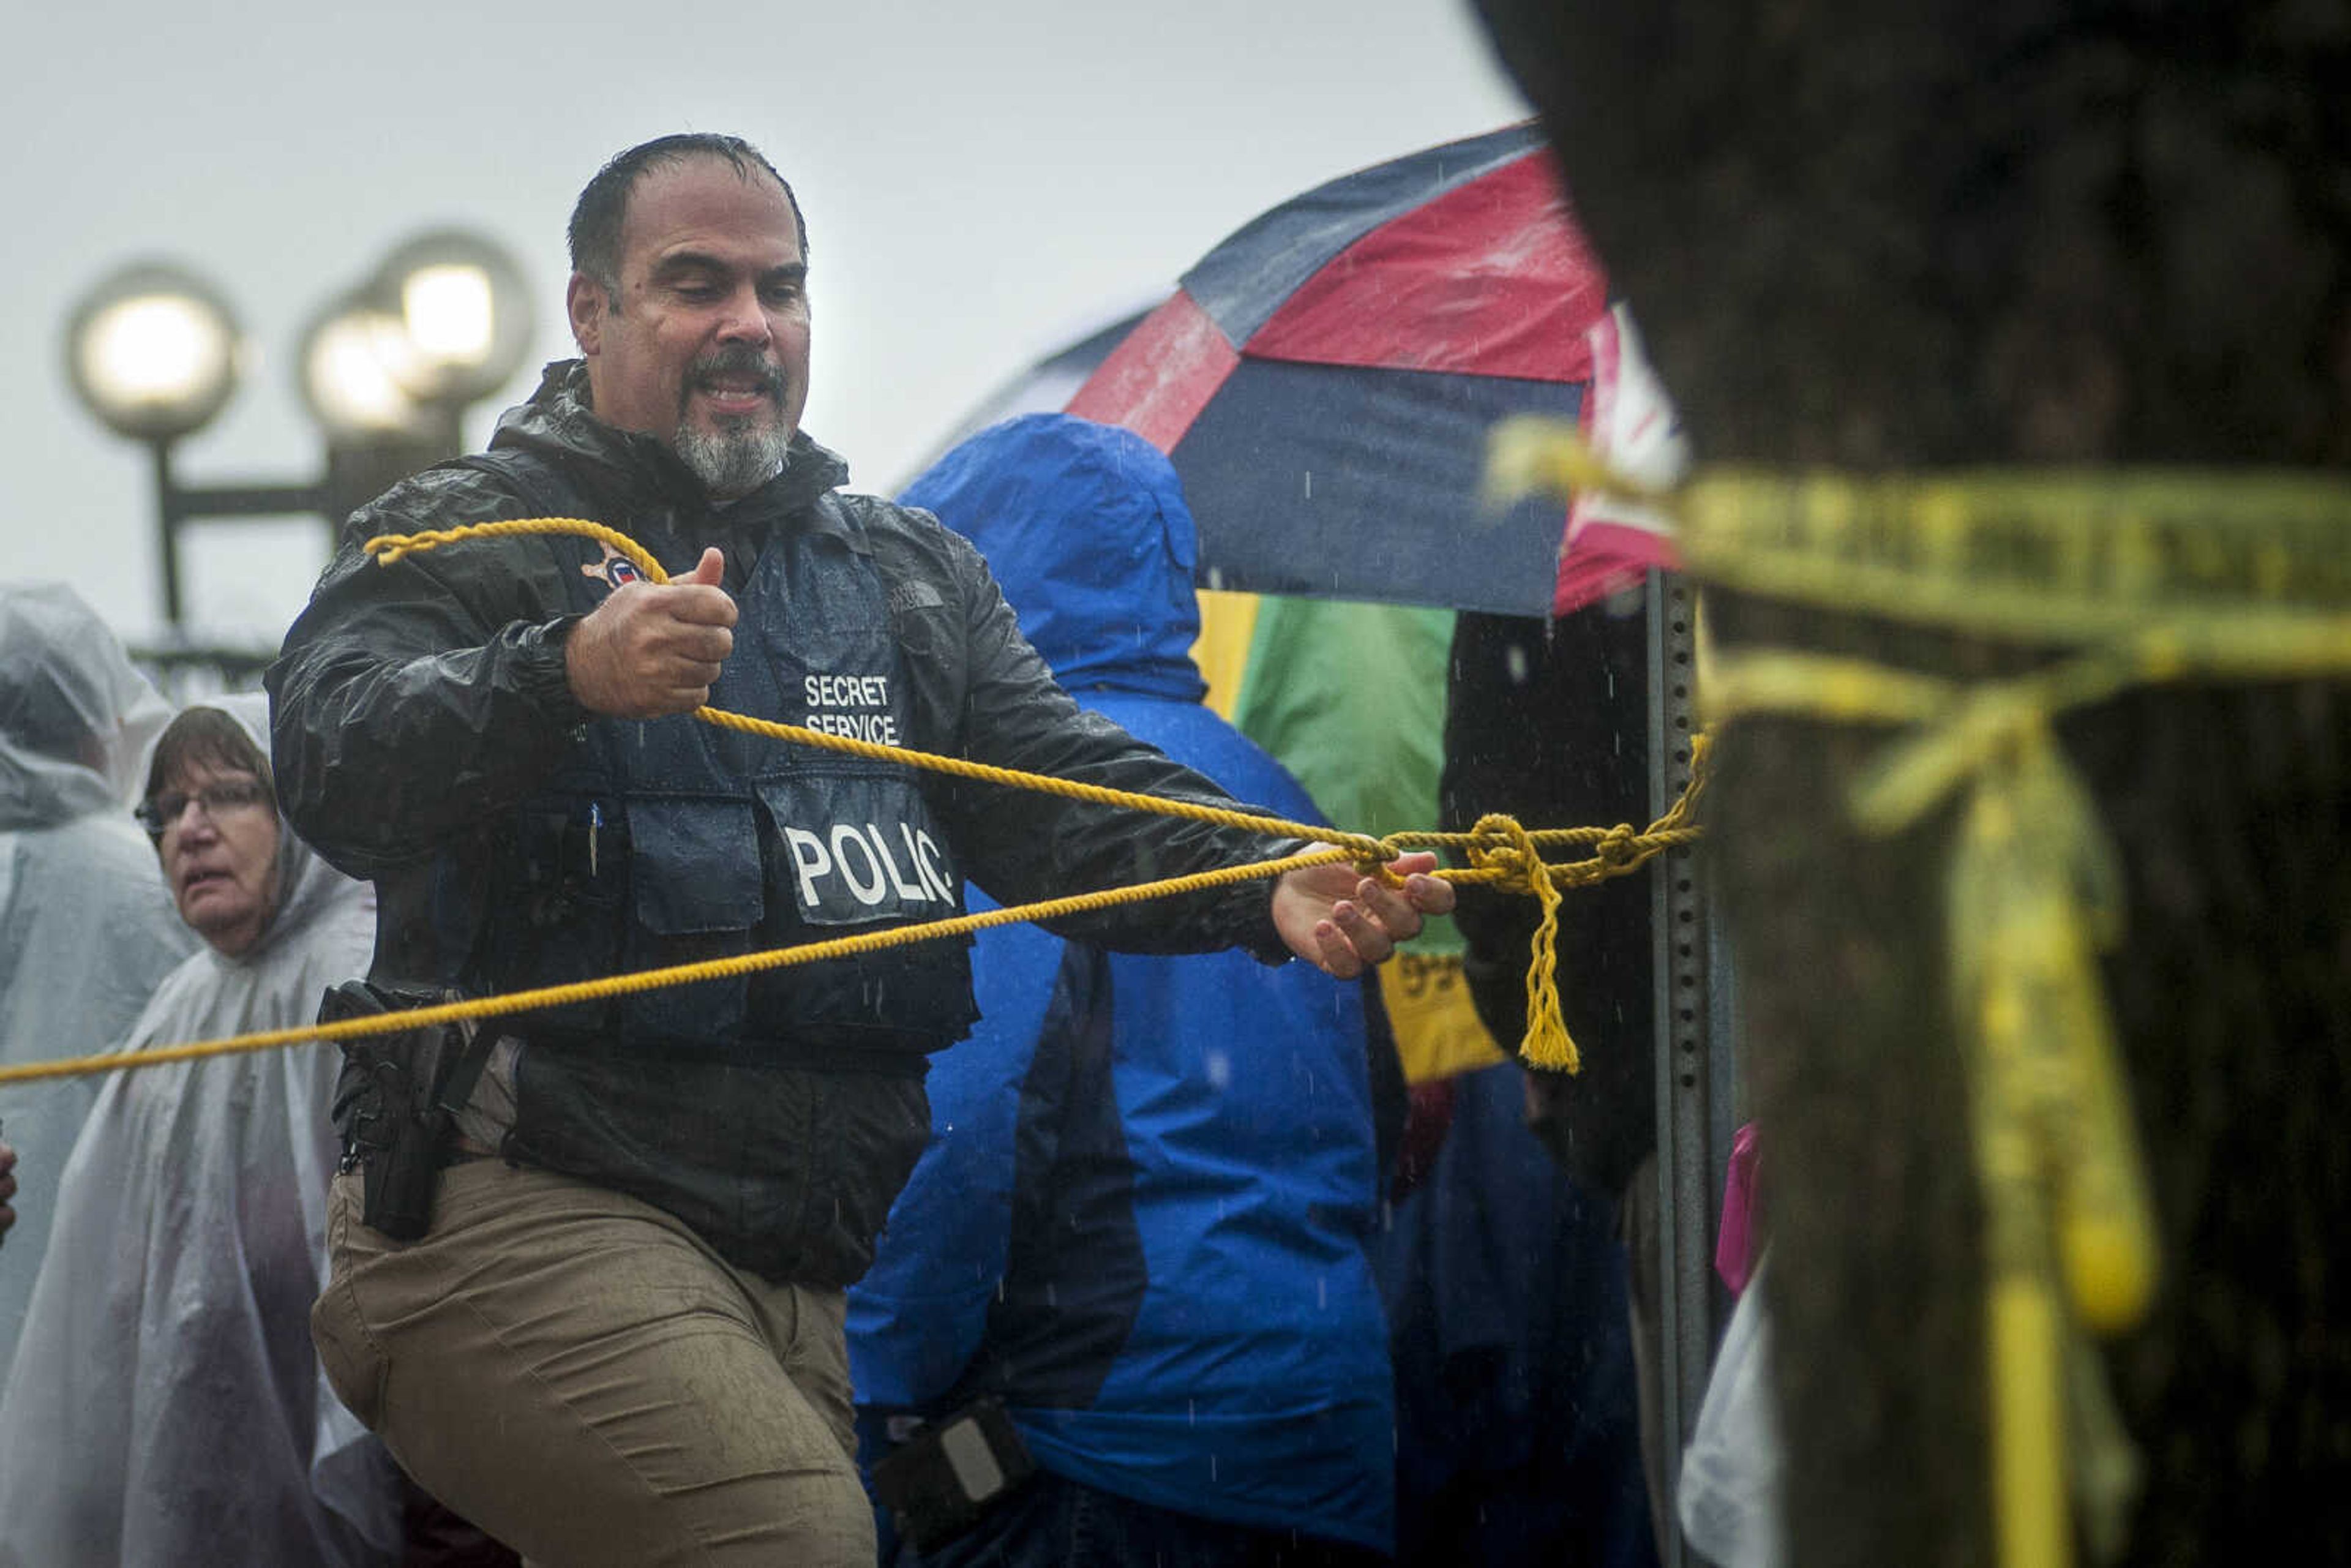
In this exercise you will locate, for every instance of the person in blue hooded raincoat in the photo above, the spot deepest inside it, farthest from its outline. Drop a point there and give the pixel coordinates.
(1140, 1220)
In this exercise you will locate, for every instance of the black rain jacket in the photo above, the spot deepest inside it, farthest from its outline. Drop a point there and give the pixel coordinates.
(415, 707)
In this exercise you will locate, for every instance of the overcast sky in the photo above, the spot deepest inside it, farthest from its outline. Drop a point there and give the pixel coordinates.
(981, 181)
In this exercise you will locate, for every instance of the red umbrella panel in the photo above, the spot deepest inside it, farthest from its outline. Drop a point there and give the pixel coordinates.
(1324, 382)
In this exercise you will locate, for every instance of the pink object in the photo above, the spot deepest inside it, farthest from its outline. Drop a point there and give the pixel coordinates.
(1628, 419)
(1738, 1242)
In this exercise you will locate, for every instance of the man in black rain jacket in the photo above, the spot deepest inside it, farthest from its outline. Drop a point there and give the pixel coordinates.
(620, 1342)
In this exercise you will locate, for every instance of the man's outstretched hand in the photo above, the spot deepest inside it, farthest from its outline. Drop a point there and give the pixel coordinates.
(1344, 922)
(654, 648)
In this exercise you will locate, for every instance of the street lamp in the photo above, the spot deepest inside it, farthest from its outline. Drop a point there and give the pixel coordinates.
(386, 369)
(464, 312)
(154, 352)
(343, 371)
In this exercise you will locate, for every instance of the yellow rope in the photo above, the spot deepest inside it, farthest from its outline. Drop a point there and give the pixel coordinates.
(1501, 854)
(1547, 1039)
(390, 547)
(676, 975)
(1504, 855)
(1370, 853)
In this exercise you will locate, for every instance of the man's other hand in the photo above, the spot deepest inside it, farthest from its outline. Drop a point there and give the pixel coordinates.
(652, 649)
(1344, 922)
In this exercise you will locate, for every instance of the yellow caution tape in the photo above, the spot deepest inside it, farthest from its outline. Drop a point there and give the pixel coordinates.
(2154, 575)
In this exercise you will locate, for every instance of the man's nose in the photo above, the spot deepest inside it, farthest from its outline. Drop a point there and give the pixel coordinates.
(745, 320)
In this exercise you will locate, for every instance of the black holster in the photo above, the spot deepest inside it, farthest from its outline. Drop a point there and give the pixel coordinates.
(396, 1100)
(945, 1478)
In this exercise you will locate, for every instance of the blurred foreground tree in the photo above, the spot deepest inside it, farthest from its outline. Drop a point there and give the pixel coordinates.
(2015, 231)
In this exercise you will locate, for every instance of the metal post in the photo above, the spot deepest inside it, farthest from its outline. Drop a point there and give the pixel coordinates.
(1684, 1054)
(168, 518)
(356, 473)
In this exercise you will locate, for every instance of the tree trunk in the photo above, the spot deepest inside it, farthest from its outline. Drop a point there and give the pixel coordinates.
(1893, 237)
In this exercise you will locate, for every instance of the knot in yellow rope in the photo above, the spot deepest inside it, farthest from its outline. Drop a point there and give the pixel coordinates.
(1619, 848)
(1373, 863)
(1501, 845)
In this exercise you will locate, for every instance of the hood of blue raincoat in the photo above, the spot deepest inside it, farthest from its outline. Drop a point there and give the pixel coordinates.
(1085, 528)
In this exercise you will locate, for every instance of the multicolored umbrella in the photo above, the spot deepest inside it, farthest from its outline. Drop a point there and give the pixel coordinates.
(1325, 378)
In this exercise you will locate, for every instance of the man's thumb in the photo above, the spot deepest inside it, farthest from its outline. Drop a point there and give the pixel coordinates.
(710, 570)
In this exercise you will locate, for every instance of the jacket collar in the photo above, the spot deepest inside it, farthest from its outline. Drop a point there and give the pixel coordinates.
(557, 421)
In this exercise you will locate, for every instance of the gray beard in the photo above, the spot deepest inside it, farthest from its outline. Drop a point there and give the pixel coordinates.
(733, 462)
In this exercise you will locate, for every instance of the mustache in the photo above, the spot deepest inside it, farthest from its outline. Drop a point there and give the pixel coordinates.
(738, 361)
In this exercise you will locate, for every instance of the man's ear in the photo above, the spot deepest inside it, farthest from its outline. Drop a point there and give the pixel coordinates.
(585, 301)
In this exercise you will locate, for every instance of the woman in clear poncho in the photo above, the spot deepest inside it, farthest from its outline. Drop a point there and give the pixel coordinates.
(86, 931)
(165, 1407)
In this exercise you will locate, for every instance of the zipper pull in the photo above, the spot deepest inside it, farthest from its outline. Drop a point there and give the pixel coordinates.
(595, 821)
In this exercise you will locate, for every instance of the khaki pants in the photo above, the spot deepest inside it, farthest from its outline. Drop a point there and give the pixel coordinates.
(578, 1373)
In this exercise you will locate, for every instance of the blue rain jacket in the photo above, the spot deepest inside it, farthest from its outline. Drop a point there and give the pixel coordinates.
(1141, 1218)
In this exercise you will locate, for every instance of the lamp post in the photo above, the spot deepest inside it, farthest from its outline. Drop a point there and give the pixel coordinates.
(386, 369)
(155, 353)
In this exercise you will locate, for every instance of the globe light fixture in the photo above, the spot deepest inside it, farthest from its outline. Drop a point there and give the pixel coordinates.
(464, 312)
(347, 376)
(154, 352)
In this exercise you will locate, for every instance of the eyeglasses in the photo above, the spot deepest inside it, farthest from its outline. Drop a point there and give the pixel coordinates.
(220, 796)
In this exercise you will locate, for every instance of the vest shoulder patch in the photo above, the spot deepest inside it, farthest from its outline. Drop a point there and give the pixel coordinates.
(914, 593)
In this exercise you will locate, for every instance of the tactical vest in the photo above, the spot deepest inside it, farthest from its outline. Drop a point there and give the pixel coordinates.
(671, 842)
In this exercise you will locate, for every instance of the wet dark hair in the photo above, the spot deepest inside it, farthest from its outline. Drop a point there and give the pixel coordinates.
(203, 737)
(604, 205)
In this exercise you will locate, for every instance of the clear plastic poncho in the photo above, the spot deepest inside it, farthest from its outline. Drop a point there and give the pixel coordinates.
(87, 926)
(65, 680)
(1731, 1502)
(166, 1409)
